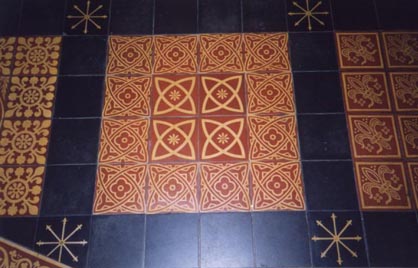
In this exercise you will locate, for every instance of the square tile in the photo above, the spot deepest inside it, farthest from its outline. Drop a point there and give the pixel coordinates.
(175, 17)
(373, 136)
(264, 16)
(224, 187)
(43, 17)
(7, 48)
(124, 141)
(401, 50)
(354, 15)
(20, 230)
(404, 88)
(277, 186)
(21, 190)
(97, 23)
(306, 16)
(131, 17)
(413, 176)
(382, 186)
(9, 17)
(218, 16)
(397, 15)
(366, 92)
(409, 130)
(172, 188)
(120, 189)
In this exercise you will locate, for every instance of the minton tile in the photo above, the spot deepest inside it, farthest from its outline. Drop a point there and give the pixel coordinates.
(175, 17)
(43, 17)
(409, 134)
(218, 16)
(311, 15)
(413, 175)
(131, 17)
(401, 50)
(404, 88)
(87, 17)
(7, 48)
(9, 17)
(262, 16)
(354, 15)
(20, 230)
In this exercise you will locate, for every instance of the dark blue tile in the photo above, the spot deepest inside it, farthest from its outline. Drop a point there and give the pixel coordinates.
(19, 230)
(172, 241)
(219, 16)
(9, 17)
(312, 15)
(281, 239)
(117, 242)
(99, 20)
(397, 15)
(264, 15)
(131, 17)
(42, 17)
(226, 240)
(354, 15)
(178, 16)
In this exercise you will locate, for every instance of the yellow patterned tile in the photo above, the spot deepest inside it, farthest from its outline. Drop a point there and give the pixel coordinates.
(6, 54)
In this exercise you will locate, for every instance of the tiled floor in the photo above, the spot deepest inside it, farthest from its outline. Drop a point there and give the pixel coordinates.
(208, 133)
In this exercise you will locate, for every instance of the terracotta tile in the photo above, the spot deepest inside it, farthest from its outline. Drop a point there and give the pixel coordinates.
(129, 55)
(221, 53)
(401, 50)
(374, 136)
(270, 93)
(382, 185)
(359, 50)
(175, 54)
(277, 186)
(24, 141)
(173, 139)
(223, 138)
(409, 134)
(37, 56)
(127, 96)
(405, 91)
(120, 189)
(413, 175)
(172, 188)
(4, 85)
(266, 52)
(124, 141)
(224, 187)
(21, 189)
(222, 94)
(174, 95)
(7, 47)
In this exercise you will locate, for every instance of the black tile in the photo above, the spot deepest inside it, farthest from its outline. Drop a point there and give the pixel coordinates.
(74, 230)
(83, 55)
(99, 20)
(42, 17)
(318, 92)
(348, 227)
(323, 137)
(131, 17)
(172, 241)
(178, 16)
(74, 141)
(397, 15)
(330, 185)
(117, 242)
(226, 240)
(19, 230)
(9, 16)
(320, 19)
(264, 15)
(79, 96)
(219, 16)
(68, 190)
(392, 239)
(354, 15)
(312, 51)
(281, 239)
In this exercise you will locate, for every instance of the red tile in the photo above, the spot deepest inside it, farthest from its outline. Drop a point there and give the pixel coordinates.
(401, 50)
(413, 175)
(409, 132)
(405, 91)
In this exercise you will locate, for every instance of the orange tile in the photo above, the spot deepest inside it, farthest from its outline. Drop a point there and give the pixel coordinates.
(7, 47)
(266, 52)
(405, 91)
(374, 136)
(366, 92)
(172, 188)
(401, 50)
(224, 187)
(409, 132)
(124, 141)
(129, 55)
(382, 185)
(359, 50)
(120, 189)
(175, 54)
(277, 186)
(413, 175)
(221, 53)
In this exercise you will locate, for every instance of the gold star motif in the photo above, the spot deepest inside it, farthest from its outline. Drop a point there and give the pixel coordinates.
(308, 13)
(222, 94)
(223, 138)
(174, 95)
(86, 17)
(173, 139)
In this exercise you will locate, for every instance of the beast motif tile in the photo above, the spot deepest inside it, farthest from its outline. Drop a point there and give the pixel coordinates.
(359, 50)
(124, 141)
(129, 55)
(277, 186)
(413, 175)
(222, 94)
(24, 141)
(223, 138)
(266, 52)
(175, 54)
(174, 139)
(174, 95)
(21, 189)
(120, 189)
(401, 50)
(221, 53)
(405, 91)
(224, 187)
(7, 47)
(366, 92)
(37, 56)
(409, 130)
(127, 97)
(270, 93)
(172, 188)
(273, 138)
(382, 185)
(373, 136)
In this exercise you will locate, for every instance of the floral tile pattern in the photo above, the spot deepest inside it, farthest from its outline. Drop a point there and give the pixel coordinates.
(409, 129)
(405, 91)
(401, 50)
(413, 174)
(7, 47)
(4, 86)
